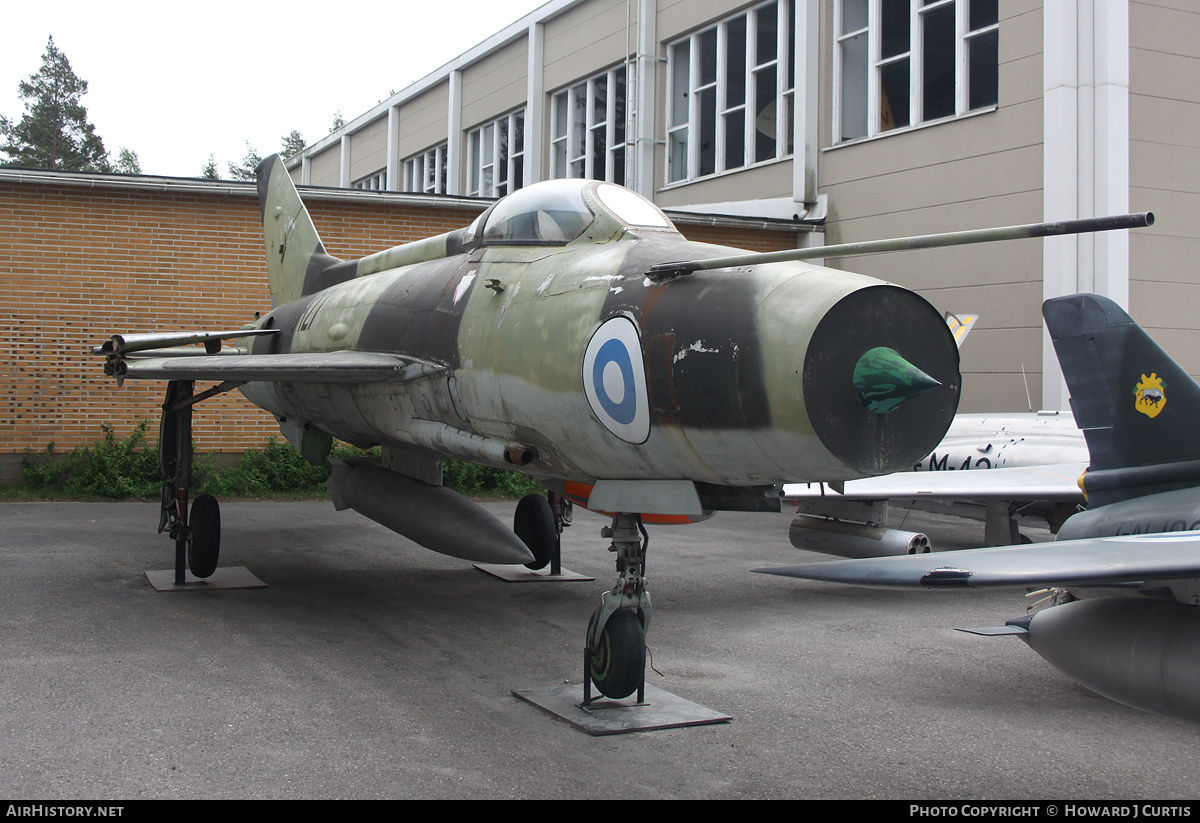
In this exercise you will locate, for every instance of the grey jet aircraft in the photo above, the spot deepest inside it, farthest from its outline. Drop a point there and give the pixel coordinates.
(571, 333)
(1123, 618)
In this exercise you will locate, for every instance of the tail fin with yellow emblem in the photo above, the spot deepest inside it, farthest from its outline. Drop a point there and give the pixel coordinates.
(1138, 409)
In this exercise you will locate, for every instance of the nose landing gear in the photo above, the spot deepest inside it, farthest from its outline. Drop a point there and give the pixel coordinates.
(615, 653)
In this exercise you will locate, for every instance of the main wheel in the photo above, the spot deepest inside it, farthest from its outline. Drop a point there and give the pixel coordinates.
(204, 542)
(534, 524)
(618, 662)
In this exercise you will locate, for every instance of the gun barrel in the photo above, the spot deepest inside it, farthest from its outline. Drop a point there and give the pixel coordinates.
(924, 241)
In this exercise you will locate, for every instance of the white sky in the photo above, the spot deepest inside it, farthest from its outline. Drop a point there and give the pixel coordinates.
(177, 83)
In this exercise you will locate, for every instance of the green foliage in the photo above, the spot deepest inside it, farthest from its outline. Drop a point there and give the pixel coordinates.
(110, 468)
(123, 468)
(209, 172)
(484, 481)
(54, 132)
(293, 143)
(127, 162)
(245, 169)
(276, 469)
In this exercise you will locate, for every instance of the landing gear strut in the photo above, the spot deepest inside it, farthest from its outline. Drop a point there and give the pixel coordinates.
(198, 538)
(615, 654)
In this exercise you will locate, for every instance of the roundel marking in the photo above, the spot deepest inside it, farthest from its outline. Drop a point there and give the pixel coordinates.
(614, 380)
(612, 375)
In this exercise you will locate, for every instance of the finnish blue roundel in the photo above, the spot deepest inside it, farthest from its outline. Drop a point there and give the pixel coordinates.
(614, 380)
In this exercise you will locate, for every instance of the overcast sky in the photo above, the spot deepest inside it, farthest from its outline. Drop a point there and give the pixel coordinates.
(177, 82)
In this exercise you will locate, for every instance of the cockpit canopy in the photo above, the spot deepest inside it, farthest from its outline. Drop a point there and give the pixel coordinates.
(555, 212)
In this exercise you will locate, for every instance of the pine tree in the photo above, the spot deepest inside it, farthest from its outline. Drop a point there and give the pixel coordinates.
(245, 169)
(293, 143)
(54, 133)
(209, 172)
(127, 162)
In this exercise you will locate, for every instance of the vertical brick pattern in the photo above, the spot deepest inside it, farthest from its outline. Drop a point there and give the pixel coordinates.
(80, 263)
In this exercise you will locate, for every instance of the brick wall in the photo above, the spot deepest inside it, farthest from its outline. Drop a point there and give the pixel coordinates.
(92, 255)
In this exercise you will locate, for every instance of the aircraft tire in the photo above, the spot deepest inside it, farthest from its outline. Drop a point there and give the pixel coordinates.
(204, 544)
(534, 524)
(618, 663)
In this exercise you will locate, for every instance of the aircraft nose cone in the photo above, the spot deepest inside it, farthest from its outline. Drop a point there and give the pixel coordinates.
(883, 380)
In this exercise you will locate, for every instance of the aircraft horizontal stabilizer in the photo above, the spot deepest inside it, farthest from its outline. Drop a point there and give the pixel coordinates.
(328, 367)
(1093, 561)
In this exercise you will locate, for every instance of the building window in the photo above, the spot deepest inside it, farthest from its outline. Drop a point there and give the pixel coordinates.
(496, 156)
(903, 62)
(587, 129)
(372, 182)
(730, 93)
(426, 172)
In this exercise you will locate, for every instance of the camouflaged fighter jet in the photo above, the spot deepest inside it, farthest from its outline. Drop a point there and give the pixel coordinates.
(571, 333)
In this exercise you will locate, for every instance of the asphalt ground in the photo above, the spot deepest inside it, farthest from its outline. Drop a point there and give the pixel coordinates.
(372, 668)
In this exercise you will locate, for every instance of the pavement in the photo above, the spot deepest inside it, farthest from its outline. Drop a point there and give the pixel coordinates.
(372, 668)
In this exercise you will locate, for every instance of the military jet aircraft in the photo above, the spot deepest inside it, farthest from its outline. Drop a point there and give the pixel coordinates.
(571, 333)
(1123, 619)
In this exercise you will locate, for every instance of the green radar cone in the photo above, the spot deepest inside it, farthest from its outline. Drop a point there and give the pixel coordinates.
(883, 380)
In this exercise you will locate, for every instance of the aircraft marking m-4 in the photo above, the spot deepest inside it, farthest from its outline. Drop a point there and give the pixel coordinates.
(557, 336)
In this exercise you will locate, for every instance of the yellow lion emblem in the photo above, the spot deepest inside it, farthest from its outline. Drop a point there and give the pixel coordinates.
(1149, 395)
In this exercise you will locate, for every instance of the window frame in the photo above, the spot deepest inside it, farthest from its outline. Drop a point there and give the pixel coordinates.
(701, 99)
(490, 147)
(870, 121)
(375, 181)
(426, 172)
(573, 143)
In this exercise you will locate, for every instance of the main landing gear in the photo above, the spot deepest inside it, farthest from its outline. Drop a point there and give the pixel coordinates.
(197, 534)
(614, 657)
(539, 528)
(615, 653)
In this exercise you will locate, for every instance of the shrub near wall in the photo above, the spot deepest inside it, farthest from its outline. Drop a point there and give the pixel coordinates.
(128, 467)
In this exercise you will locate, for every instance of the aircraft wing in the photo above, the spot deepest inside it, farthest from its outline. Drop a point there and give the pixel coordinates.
(1092, 561)
(1057, 482)
(326, 367)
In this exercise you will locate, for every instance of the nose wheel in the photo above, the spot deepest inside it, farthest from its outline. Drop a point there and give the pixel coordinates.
(617, 664)
(615, 653)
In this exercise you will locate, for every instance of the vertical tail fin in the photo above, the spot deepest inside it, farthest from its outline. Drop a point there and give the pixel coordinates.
(1137, 408)
(295, 256)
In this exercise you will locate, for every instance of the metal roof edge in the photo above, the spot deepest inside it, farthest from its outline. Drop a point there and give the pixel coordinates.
(481, 50)
(192, 185)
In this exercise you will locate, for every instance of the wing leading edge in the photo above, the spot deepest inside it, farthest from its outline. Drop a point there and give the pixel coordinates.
(1093, 561)
(1057, 483)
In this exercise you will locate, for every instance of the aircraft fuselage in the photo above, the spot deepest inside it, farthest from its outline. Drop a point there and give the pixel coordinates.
(571, 354)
